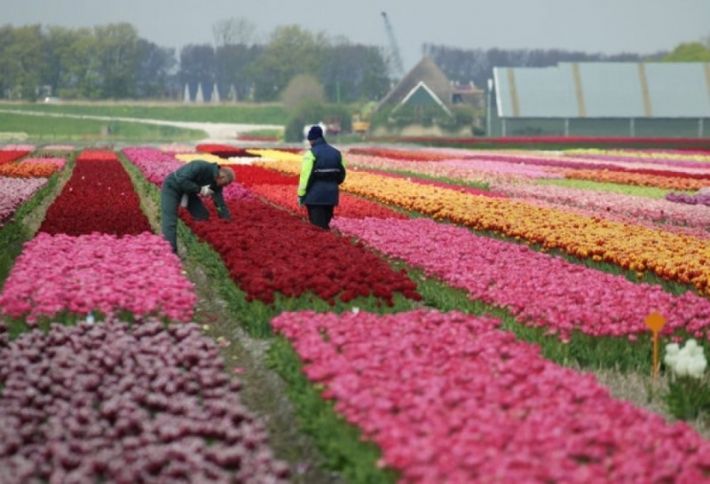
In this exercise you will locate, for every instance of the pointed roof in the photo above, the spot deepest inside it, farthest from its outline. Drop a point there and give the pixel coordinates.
(421, 94)
(427, 72)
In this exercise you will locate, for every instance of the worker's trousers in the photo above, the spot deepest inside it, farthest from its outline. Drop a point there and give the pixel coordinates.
(169, 204)
(320, 215)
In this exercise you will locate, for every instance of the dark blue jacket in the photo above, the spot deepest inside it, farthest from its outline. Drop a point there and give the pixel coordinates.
(322, 171)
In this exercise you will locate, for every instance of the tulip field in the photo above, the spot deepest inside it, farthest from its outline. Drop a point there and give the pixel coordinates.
(460, 322)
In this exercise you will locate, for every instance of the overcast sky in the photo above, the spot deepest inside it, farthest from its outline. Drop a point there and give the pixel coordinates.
(607, 26)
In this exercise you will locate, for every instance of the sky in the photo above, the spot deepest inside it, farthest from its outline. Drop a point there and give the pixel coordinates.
(605, 26)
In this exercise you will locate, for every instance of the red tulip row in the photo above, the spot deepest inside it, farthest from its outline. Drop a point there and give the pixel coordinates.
(99, 197)
(8, 156)
(269, 251)
(224, 151)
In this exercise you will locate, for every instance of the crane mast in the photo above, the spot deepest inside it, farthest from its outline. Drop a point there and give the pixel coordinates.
(394, 47)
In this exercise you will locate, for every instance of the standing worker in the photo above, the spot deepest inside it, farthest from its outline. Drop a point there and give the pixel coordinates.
(322, 171)
(184, 187)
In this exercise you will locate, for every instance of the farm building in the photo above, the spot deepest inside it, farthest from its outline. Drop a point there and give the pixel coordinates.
(424, 101)
(602, 99)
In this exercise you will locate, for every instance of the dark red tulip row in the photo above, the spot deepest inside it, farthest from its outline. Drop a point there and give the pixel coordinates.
(269, 251)
(99, 197)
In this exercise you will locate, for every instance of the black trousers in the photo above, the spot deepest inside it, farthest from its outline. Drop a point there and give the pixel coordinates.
(320, 215)
(169, 203)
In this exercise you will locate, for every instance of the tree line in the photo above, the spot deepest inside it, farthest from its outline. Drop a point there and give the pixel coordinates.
(113, 62)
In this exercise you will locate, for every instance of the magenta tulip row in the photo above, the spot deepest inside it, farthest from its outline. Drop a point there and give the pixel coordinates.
(156, 165)
(538, 289)
(97, 272)
(451, 398)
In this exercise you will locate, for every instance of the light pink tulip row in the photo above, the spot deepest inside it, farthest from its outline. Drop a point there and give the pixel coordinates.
(451, 398)
(658, 211)
(469, 170)
(156, 165)
(540, 290)
(14, 192)
(97, 272)
(19, 147)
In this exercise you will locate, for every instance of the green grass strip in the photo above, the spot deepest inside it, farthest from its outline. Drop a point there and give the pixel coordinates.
(633, 190)
(85, 130)
(341, 443)
(233, 113)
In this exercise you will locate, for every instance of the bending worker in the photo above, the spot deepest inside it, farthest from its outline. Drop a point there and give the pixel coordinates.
(185, 186)
(322, 171)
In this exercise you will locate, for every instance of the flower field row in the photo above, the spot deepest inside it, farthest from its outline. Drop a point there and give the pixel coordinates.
(659, 211)
(99, 197)
(672, 183)
(117, 403)
(156, 165)
(223, 151)
(36, 168)
(668, 157)
(268, 251)
(450, 398)
(15, 192)
(553, 294)
(8, 156)
(701, 198)
(672, 256)
(466, 170)
(97, 272)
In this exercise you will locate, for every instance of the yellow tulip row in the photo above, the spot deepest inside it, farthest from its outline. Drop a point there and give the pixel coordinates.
(672, 256)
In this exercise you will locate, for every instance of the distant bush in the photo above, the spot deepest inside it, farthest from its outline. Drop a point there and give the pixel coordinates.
(312, 113)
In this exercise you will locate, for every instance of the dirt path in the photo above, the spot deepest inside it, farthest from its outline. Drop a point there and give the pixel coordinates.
(215, 131)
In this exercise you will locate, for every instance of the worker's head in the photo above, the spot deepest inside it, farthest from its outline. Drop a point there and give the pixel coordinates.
(225, 176)
(315, 133)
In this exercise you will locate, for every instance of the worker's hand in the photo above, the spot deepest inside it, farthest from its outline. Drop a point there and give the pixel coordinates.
(183, 200)
(206, 191)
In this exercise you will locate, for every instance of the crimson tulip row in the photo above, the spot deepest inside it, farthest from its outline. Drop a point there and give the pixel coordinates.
(451, 398)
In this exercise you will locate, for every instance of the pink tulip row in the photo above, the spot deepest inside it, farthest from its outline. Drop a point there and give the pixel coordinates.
(20, 147)
(470, 170)
(571, 162)
(97, 272)
(451, 398)
(673, 162)
(659, 211)
(540, 290)
(156, 165)
(16, 191)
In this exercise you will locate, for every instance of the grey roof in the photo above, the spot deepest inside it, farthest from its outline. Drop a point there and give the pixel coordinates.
(425, 71)
(605, 90)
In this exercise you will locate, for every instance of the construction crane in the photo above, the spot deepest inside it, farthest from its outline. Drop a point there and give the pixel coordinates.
(396, 56)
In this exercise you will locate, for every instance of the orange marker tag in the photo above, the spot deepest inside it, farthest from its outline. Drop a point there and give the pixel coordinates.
(655, 322)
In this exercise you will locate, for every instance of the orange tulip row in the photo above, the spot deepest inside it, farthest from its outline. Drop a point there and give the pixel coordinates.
(676, 257)
(28, 170)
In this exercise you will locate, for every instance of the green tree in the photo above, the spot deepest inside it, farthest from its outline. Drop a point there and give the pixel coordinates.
(117, 53)
(303, 88)
(689, 52)
(291, 51)
(21, 60)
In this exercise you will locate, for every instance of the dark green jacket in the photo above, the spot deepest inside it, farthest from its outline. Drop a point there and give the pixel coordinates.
(191, 177)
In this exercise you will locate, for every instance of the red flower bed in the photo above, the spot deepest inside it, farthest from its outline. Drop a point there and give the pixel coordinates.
(250, 175)
(8, 156)
(223, 151)
(99, 197)
(269, 251)
(350, 206)
(405, 155)
(97, 155)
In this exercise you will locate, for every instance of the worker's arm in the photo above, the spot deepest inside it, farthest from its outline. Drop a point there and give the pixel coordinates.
(185, 175)
(306, 170)
(219, 204)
